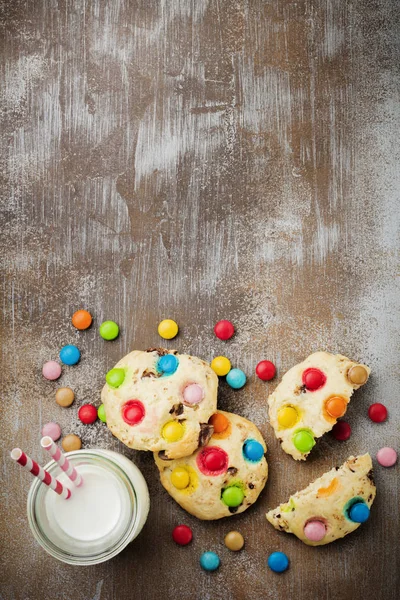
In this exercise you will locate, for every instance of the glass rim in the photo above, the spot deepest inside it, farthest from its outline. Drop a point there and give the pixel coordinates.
(61, 554)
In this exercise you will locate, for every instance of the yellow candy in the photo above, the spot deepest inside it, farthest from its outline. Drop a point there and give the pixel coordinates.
(221, 365)
(172, 431)
(180, 478)
(168, 329)
(287, 416)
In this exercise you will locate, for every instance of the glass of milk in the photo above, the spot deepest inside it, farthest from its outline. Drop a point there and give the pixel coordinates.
(101, 517)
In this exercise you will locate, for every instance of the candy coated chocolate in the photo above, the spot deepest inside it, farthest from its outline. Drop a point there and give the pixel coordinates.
(115, 377)
(253, 450)
(101, 413)
(313, 379)
(87, 414)
(287, 416)
(193, 394)
(180, 478)
(64, 396)
(172, 431)
(357, 375)
(234, 541)
(341, 431)
(303, 440)
(212, 460)
(52, 430)
(70, 355)
(219, 422)
(265, 370)
(168, 329)
(387, 457)
(224, 330)
(278, 562)
(209, 561)
(167, 364)
(232, 496)
(315, 530)
(182, 535)
(221, 365)
(377, 412)
(236, 379)
(51, 370)
(71, 442)
(359, 512)
(133, 412)
(336, 406)
(109, 330)
(81, 319)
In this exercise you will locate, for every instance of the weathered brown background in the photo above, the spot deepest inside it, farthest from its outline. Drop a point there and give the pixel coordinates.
(201, 159)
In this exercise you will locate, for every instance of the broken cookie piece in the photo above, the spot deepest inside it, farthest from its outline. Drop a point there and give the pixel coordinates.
(332, 506)
(311, 397)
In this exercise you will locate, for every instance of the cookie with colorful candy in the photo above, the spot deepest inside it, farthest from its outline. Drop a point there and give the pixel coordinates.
(161, 401)
(311, 397)
(224, 477)
(332, 506)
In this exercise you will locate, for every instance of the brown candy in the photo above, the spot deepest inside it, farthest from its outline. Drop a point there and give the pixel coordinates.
(71, 442)
(65, 396)
(234, 541)
(358, 375)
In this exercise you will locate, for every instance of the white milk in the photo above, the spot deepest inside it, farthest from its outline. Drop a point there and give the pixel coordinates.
(102, 515)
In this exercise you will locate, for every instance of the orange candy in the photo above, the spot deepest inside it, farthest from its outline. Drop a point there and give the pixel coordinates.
(219, 422)
(81, 319)
(336, 406)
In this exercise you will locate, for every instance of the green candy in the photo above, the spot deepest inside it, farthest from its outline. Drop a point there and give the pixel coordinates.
(101, 413)
(115, 377)
(303, 440)
(109, 330)
(232, 496)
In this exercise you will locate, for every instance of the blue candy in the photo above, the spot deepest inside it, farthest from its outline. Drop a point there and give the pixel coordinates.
(236, 379)
(278, 562)
(70, 355)
(253, 450)
(167, 364)
(359, 512)
(209, 561)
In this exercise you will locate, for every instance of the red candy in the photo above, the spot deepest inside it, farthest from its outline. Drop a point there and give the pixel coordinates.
(182, 535)
(133, 412)
(224, 330)
(212, 461)
(341, 431)
(377, 413)
(87, 414)
(313, 379)
(265, 370)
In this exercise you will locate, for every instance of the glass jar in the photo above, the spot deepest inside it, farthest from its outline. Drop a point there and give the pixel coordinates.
(102, 516)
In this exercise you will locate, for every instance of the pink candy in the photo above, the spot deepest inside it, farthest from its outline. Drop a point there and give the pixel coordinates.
(386, 457)
(193, 394)
(315, 531)
(51, 370)
(53, 430)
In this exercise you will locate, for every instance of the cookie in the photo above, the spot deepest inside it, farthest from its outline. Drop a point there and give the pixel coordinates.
(310, 399)
(223, 478)
(160, 401)
(332, 506)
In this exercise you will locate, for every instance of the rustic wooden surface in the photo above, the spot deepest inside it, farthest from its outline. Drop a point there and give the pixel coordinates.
(201, 159)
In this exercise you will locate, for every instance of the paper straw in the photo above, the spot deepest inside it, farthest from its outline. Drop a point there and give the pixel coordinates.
(48, 444)
(30, 465)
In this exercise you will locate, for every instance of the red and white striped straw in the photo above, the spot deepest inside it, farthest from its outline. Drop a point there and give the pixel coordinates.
(30, 465)
(48, 444)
